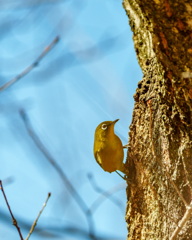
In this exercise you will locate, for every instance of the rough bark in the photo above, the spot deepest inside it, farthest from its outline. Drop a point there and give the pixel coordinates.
(159, 157)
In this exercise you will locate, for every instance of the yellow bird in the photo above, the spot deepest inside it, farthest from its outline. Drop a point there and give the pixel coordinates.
(108, 148)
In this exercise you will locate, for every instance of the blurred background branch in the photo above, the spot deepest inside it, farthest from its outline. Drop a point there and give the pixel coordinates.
(106, 195)
(72, 190)
(89, 77)
(33, 65)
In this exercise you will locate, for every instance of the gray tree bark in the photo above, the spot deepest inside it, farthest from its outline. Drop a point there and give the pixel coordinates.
(159, 157)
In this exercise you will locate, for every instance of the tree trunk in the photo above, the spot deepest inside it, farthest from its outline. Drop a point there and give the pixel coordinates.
(159, 157)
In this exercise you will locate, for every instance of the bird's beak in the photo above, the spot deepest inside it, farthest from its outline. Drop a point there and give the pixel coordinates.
(115, 121)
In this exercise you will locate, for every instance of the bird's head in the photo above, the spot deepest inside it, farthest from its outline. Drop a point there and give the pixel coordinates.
(105, 129)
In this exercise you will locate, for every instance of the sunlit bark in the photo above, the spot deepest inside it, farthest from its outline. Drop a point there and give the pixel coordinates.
(160, 146)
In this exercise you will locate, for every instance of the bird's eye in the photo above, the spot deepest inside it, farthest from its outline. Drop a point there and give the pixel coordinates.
(104, 126)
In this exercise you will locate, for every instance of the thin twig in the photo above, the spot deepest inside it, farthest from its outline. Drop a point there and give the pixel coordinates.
(182, 222)
(35, 222)
(176, 189)
(30, 67)
(13, 218)
(170, 217)
(79, 200)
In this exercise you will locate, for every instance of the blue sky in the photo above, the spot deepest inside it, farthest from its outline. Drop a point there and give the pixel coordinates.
(90, 76)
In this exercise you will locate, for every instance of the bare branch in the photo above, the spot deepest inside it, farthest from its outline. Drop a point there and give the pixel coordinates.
(79, 200)
(33, 65)
(35, 222)
(13, 218)
(184, 219)
(176, 189)
(105, 195)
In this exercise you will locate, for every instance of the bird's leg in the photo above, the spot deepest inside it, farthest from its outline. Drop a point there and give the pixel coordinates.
(124, 178)
(125, 146)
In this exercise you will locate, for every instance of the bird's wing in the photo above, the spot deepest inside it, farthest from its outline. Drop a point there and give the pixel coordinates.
(98, 158)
